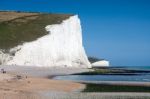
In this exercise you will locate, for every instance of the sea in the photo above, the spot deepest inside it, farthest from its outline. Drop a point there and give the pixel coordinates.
(138, 77)
(132, 67)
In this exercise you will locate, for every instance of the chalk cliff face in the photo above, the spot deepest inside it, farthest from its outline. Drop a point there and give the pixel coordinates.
(61, 47)
(102, 63)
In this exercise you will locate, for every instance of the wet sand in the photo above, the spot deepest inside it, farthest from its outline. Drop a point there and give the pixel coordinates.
(23, 82)
(14, 85)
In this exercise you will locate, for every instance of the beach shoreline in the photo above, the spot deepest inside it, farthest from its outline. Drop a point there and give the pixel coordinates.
(34, 80)
(37, 83)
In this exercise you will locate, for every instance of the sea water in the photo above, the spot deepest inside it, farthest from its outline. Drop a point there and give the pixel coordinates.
(139, 77)
(135, 67)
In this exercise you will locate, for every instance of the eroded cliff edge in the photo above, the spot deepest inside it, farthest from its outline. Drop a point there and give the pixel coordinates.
(58, 44)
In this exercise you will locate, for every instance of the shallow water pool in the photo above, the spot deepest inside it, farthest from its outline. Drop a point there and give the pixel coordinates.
(136, 78)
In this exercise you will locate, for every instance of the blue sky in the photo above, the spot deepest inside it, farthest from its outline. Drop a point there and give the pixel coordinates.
(116, 30)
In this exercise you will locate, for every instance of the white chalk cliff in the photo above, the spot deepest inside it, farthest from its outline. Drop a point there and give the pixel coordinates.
(61, 47)
(102, 63)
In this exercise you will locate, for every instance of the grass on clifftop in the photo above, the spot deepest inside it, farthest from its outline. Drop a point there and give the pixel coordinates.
(18, 27)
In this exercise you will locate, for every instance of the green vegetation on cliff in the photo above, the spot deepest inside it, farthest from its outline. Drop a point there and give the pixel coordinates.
(94, 59)
(19, 27)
